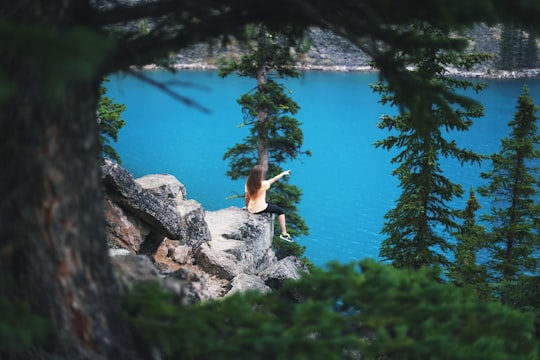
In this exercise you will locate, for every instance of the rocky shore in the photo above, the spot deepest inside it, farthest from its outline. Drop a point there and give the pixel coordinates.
(156, 234)
(329, 52)
(484, 74)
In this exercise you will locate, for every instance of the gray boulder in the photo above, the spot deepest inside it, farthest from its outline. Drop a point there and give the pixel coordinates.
(131, 270)
(245, 282)
(172, 192)
(193, 222)
(166, 187)
(218, 263)
(128, 194)
(246, 236)
(287, 268)
(191, 286)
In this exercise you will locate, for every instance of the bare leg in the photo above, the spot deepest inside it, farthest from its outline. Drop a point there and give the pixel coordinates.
(281, 221)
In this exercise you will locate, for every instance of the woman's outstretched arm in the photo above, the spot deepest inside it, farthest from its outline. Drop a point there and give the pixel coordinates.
(279, 176)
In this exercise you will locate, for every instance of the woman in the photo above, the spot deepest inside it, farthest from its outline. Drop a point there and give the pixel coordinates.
(255, 197)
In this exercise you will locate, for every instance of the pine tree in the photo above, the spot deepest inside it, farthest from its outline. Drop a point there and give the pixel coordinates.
(109, 123)
(465, 270)
(514, 219)
(507, 48)
(414, 226)
(275, 136)
(531, 51)
(518, 48)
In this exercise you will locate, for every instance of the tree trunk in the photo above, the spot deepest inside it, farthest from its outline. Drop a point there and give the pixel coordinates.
(52, 224)
(262, 116)
(52, 243)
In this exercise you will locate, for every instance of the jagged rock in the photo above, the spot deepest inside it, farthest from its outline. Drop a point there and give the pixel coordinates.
(122, 229)
(166, 187)
(133, 269)
(287, 268)
(193, 286)
(330, 50)
(151, 244)
(327, 51)
(246, 236)
(162, 258)
(214, 253)
(123, 190)
(205, 286)
(182, 254)
(244, 282)
(217, 262)
(192, 215)
(193, 221)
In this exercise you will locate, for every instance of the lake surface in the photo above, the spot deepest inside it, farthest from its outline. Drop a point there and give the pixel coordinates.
(347, 184)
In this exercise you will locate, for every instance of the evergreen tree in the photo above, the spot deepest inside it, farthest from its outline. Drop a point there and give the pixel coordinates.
(110, 123)
(414, 227)
(514, 219)
(465, 270)
(507, 53)
(518, 48)
(530, 60)
(275, 136)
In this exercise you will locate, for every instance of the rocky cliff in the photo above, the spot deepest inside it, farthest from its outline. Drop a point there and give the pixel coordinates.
(156, 234)
(330, 52)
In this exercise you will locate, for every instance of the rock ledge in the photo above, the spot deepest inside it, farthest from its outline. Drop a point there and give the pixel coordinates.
(156, 234)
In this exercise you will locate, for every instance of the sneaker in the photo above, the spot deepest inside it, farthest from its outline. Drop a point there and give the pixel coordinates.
(286, 237)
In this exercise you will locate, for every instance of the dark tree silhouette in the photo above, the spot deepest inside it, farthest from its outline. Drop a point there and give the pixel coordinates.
(53, 256)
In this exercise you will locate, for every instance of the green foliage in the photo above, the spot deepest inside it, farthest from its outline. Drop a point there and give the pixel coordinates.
(379, 312)
(417, 318)
(524, 293)
(63, 56)
(280, 133)
(20, 328)
(413, 238)
(413, 317)
(109, 123)
(268, 51)
(243, 326)
(513, 241)
(470, 237)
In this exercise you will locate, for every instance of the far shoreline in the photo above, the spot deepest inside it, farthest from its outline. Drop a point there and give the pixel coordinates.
(488, 74)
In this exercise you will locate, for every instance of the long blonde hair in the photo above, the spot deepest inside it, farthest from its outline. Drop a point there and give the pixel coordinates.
(254, 180)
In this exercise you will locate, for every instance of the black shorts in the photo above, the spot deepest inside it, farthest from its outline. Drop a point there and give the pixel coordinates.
(273, 209)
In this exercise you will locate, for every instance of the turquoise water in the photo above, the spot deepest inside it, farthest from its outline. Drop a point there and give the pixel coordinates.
(347, 184)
